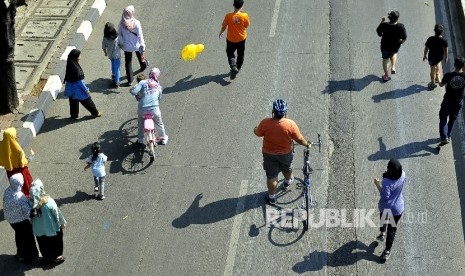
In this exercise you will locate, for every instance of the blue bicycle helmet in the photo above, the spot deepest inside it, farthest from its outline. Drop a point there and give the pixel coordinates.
(280, 107)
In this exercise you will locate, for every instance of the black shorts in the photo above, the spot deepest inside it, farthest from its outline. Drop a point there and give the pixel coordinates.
(387, 54)
(273, 164)
(434, 63)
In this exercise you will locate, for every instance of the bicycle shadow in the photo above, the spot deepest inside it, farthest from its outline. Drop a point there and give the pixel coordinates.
(124, 156)
(413, 149)
(215, 211)
(186, 83)
(399, 93)
(350, 84)
(346, 255)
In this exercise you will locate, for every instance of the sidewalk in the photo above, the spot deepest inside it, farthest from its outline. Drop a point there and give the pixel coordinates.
(46, 30)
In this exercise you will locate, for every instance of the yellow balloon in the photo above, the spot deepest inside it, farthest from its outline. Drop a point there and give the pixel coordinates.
(190, 51)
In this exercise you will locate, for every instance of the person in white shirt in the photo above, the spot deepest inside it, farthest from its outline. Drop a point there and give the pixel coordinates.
(96, 161)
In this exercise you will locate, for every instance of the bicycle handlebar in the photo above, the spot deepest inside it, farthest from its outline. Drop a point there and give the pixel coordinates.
(311, 143)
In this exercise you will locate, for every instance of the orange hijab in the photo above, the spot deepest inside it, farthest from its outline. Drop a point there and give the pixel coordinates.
(11, 154)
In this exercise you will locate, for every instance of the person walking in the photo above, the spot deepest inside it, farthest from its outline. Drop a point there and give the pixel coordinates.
(393, 35)
(47, 224)
(97, 161)
(436, 50)
(237, 23)
(13, 158)
(453, 99)
(75, 88)
(16, 210)
(278, 132)
(391, 203)
(112, 49)
(149, 92)
(130, 31)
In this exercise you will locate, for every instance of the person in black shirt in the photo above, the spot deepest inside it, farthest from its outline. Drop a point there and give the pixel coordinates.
(392, 34)
(435, 51)
(453, 99)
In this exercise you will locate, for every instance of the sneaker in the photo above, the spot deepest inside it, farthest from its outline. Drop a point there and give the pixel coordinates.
(96, 189)
(100, 197)
(269, 200)
(445, 141)
(234, 72)
(286, 185)
(381, 237)
(386, 254)
(164, 140)
(432, 85)
(385, 77)
(98, 115)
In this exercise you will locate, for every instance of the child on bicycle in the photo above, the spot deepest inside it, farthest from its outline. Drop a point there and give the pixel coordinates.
(148, 92)
(97, 161)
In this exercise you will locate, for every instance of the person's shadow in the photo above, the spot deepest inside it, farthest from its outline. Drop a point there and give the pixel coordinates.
(346, 255)
(101, 85)
(350, 84)
(215, 211)
(413, 149)
(186, 83)
(399, 93)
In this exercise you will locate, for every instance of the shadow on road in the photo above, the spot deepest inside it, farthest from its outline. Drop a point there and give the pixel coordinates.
(399, 93)
(186, 83)
(414, 149)
(10, 266)
(346, 255)
(57, 122)
(215, 211)
(350, 84)
(80, 196)
(125, 156)
(102, 85)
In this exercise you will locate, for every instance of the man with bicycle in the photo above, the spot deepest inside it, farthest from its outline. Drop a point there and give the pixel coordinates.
(278, 132)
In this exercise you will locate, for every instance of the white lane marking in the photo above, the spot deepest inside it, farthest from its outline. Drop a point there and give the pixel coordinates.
(85, 29)
(230, 260)
(274, 20)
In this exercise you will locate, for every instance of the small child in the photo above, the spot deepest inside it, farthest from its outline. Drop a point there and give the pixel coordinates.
(111, 46)
(97, 162)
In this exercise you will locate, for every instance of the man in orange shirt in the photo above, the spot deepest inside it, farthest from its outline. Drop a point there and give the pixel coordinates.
(237, 22)
(278, 133)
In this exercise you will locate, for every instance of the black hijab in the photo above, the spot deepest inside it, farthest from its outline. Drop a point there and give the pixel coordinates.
(73, 69)
(394, 170)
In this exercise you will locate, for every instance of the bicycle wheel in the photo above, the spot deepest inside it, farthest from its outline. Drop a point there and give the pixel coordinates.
(307, 209)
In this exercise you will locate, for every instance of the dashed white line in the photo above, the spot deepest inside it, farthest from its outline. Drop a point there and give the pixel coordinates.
(230, 260)
(274, 20)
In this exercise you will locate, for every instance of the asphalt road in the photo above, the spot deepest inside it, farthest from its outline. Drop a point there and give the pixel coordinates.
(199, 208)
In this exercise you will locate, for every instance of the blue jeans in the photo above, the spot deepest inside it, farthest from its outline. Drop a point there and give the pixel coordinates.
(449, 109)
(115, 71)
(100, 183)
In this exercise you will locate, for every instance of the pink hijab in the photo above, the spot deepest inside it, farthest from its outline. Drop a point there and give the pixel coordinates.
(127, 18)
(154, 77)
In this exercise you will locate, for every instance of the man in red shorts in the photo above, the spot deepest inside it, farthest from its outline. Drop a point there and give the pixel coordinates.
(278, 132)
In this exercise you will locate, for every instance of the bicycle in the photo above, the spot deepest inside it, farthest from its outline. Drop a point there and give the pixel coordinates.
(149, 130)
(308, 201)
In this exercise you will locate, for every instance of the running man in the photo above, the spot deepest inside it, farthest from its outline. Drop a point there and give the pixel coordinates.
(236, 22)
(278, 133)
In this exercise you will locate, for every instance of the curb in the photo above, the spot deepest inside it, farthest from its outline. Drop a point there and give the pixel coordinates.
(36, 116)
(54, 82)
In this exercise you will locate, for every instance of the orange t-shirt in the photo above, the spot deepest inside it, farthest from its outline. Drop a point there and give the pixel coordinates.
(237, 24)
(278, 135)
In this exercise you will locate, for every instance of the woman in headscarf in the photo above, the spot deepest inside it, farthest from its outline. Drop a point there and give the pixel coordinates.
(75, 88)
(16, 210)
(47, 223)
(130, 31)
(149, 92)
(391, 203)
(13, 159)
